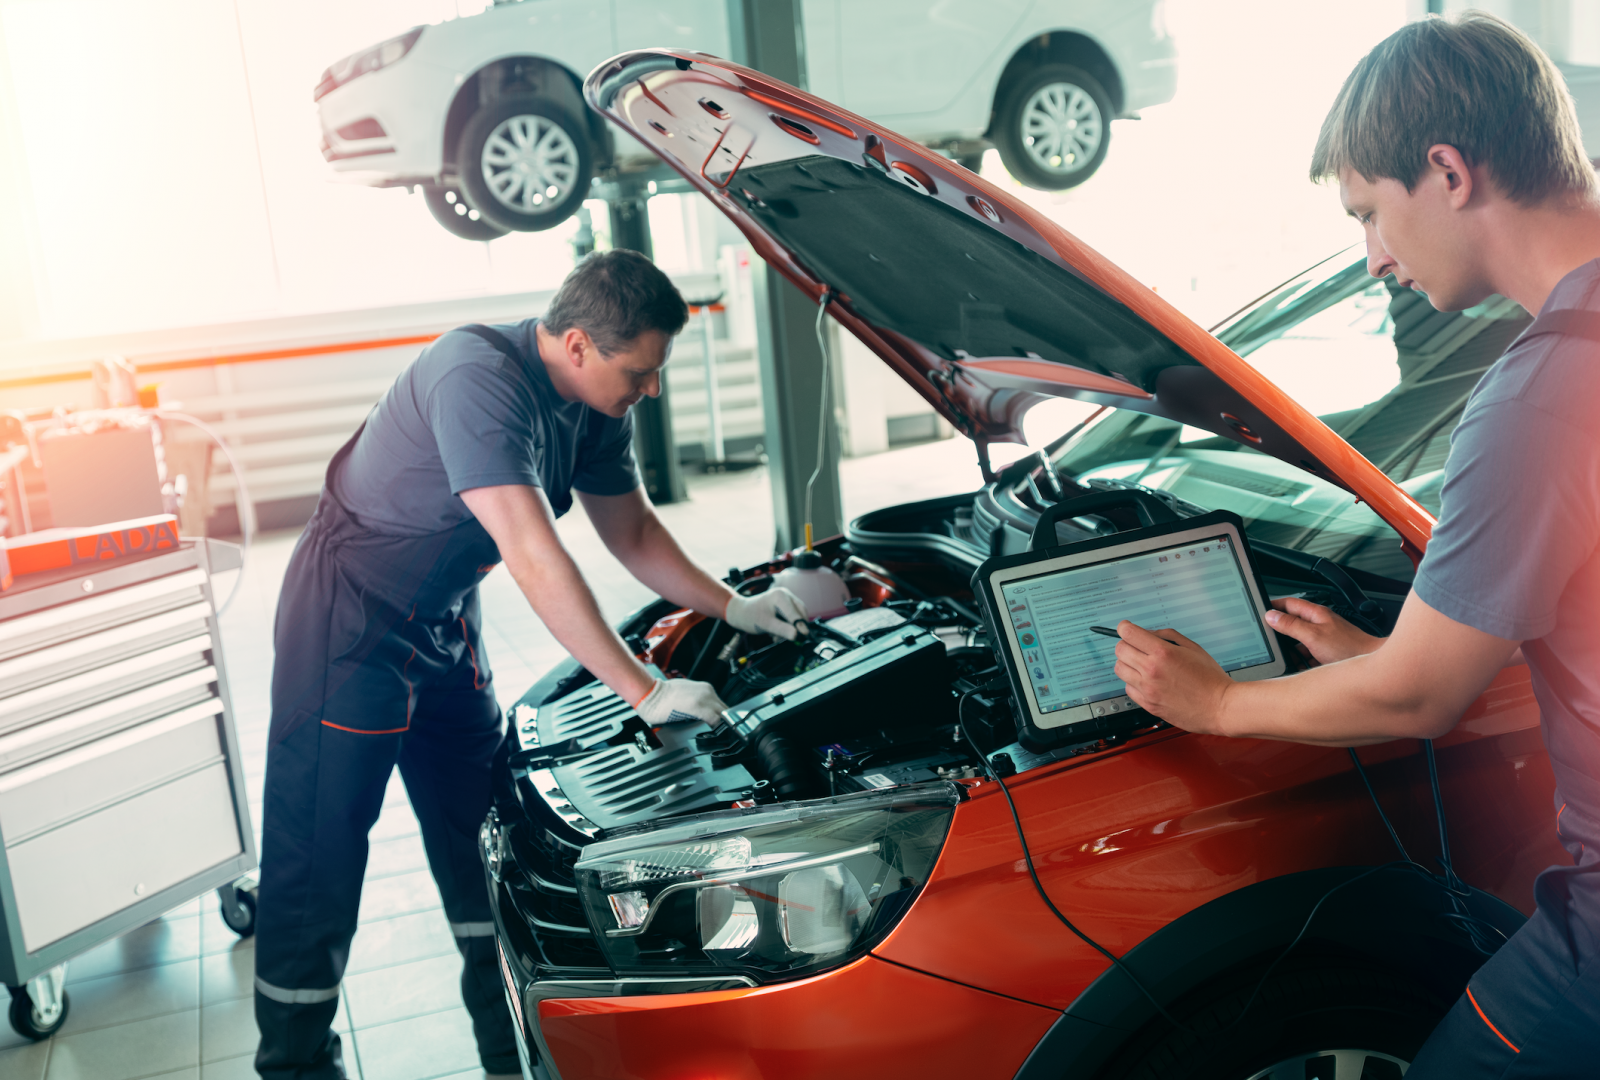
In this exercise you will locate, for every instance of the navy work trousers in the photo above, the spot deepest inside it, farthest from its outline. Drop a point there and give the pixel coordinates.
(360, 687)
(1533, 1009)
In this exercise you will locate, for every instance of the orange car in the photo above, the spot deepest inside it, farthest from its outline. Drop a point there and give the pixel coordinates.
(832, 884)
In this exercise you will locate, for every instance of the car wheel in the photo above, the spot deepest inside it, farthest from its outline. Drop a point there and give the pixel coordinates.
(451, 209)
(1329, 1022)
(1054, 127)
(525, 163)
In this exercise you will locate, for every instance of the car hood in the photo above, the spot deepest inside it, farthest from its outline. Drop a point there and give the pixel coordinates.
(977, 301)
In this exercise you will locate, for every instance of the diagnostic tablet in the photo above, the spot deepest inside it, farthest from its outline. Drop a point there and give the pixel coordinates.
(1193, 576)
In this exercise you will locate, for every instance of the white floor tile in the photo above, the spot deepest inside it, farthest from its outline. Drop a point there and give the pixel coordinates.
(420, 1048)
(133, 995)
(141, 1048)
(400, 940)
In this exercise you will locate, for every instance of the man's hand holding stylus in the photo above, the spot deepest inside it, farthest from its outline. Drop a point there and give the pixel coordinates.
(1171, 677)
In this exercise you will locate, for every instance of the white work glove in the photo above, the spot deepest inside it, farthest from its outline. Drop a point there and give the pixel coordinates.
(673, 700)
(778, 612)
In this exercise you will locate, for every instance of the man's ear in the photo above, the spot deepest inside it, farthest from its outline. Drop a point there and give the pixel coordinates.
(579, 346)
(1454, 175)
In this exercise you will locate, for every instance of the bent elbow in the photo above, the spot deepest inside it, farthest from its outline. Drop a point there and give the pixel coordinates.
(1431, 722)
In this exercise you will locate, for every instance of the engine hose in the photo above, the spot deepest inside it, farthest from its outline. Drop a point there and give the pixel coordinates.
(785, 767)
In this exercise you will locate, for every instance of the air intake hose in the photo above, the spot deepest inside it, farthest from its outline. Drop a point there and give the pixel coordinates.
(786, 767)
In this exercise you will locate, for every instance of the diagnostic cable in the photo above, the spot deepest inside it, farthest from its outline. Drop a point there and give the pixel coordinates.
(1453, 886)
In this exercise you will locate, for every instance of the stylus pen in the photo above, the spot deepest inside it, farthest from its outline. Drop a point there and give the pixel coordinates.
(1106, 631)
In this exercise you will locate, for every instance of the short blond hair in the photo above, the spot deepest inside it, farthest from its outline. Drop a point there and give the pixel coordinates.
(1472, 82)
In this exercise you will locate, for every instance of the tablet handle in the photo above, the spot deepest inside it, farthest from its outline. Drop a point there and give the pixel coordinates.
(1151, 511)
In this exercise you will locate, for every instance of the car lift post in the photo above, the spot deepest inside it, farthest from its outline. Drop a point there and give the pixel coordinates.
(653, 444)
(766, 35)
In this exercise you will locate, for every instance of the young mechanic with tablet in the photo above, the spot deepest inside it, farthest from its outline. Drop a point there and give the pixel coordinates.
(1455, 145)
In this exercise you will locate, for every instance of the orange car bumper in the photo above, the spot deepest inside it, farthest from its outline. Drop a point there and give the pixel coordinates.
(868, 1020)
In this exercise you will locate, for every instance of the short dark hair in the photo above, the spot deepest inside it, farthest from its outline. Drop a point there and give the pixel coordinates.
(614, 296)
(1472, 82)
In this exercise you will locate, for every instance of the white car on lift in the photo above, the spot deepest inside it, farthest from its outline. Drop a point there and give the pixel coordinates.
(484, 112)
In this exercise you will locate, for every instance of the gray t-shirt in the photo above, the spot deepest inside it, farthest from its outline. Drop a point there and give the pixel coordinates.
(1516, 552)
(464, 416)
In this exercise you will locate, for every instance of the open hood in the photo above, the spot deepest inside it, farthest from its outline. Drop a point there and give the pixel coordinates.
(981, 304)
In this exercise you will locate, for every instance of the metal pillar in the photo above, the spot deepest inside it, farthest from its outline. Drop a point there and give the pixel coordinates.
(792, 373)
(653, 444)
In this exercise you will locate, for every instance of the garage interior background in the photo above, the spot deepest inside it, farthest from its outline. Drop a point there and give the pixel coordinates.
(162, 198)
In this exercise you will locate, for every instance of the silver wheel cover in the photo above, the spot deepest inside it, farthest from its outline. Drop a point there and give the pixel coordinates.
(529, 164)
(1062, 128)
(1347, 1065)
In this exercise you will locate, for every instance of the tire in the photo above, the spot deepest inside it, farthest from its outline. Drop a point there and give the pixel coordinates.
(525, 163)
(25, 1022)
(1054, 127)
(451, 209)
(1371, 1022)
(240, 915)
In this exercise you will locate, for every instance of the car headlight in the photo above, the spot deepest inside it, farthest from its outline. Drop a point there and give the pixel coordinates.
(772, 893)
(365, 62)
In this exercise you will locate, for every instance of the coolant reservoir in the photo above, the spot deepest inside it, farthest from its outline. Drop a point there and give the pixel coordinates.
(822, 591)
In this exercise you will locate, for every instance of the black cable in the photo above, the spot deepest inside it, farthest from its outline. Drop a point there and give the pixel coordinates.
(700, 657)
(1438, 813)
(1471, 924)
(1027, 857)
(1361, 771)
(1456, 890)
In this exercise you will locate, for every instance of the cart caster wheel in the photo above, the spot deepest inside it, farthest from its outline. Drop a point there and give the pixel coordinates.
(238, 909)
(28, 1021)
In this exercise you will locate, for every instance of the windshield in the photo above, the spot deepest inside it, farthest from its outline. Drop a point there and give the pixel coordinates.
(1375, 362)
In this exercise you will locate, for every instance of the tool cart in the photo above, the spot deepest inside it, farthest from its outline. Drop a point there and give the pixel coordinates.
(121, 790)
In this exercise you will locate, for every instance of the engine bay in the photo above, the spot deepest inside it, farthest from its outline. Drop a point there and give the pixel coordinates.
(865, 699)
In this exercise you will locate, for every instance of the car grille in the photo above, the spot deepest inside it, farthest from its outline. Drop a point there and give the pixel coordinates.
(561, 808)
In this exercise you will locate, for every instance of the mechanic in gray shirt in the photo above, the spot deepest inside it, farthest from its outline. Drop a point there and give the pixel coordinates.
(1455, 145)
(468, 459)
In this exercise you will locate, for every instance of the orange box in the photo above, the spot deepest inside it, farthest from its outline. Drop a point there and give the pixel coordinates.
(53, 549)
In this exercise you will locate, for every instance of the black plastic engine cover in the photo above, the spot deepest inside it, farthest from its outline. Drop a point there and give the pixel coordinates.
(896, 682)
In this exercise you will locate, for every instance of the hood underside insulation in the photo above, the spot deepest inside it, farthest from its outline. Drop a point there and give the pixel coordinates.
(913, 265)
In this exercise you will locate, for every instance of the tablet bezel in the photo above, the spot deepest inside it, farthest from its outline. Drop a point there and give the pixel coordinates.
(1051, 726)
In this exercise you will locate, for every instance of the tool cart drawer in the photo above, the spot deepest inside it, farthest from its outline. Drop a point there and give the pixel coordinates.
(79, 782)
(120, 789)
(99, 864)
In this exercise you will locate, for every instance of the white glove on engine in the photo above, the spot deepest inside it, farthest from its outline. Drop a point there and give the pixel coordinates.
(673, 700)
(778, 612)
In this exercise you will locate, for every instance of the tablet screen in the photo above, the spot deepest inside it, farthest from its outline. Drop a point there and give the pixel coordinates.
(1197, 588)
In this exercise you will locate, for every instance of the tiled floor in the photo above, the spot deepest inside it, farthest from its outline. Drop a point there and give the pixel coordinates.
(173, 999)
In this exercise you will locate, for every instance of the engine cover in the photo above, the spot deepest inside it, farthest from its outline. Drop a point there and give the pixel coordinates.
(896, 681)
(892, 683)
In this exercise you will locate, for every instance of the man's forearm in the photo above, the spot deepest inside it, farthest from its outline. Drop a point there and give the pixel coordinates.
(1415, 685)
(558, 594)
(1349, 703)
(657, 561)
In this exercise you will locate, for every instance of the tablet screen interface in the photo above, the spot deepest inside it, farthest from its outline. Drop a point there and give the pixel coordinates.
(1197, 588)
